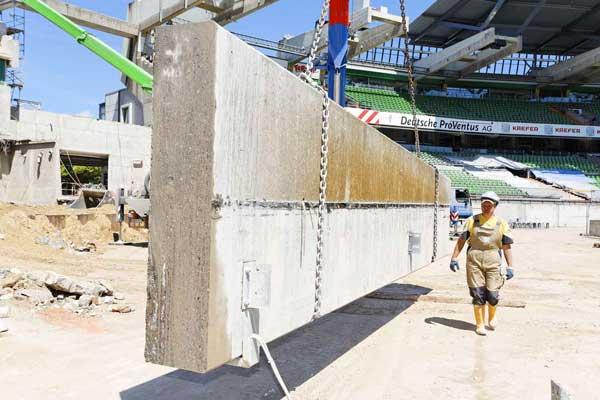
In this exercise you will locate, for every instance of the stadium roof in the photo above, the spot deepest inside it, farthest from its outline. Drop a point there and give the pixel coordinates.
(547, 26)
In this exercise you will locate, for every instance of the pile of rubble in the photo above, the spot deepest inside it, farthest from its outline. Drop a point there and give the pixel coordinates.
(48, 289)
(57, 242)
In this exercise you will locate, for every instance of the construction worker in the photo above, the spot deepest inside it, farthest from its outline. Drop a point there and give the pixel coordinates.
(488, 237)
(454, 219)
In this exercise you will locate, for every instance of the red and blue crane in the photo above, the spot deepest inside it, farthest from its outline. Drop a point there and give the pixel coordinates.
(337, 57)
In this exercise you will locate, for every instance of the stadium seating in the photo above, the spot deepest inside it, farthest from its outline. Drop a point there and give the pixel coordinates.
(477, 186)
(463, 108)
(435, 158)
(566, 162)
(560, 162)
(449, 164)
(596, 180)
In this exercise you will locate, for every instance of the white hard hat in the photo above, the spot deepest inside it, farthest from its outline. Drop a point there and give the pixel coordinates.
(490, 196)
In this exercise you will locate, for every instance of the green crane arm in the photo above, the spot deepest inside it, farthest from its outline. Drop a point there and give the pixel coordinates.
(98, 47)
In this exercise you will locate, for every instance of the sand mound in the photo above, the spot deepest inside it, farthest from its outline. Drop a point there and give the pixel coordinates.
(33, 224)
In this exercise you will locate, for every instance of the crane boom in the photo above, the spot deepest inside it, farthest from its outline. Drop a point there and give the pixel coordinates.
(95, 45)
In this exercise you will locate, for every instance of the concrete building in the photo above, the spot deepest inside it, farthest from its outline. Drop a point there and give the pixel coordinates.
(35, 145)
(41, 141)
(122, 106)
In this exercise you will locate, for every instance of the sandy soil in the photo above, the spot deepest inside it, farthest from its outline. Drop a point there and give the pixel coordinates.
(374, 349)
(23, 226)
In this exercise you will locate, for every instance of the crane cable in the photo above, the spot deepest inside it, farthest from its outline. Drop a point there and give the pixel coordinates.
(408, 63)
(305, 76)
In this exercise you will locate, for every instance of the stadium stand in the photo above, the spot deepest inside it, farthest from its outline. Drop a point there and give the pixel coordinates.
(571, 180)
(477, 186)
(532, 187)
(574, 173)
(465, 108)
(435, 159)
(560, 162)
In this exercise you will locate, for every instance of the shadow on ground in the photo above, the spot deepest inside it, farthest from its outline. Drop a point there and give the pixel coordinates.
(451, 323)
(299, 355)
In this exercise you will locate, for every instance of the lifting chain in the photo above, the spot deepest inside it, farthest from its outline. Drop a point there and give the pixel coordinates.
(408, 61)
(436, 213)
(324, 152)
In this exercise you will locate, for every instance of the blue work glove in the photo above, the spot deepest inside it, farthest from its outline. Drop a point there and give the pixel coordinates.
(509, 274)
(454, 266)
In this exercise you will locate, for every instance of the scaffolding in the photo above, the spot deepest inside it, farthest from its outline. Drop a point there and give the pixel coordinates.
(14, 18)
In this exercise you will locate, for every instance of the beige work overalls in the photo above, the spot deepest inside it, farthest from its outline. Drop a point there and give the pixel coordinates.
(483, 257)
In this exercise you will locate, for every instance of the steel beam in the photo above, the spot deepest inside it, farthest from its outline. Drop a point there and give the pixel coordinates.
(531, 16)
(363, 39)
(570, 68)
(483, 25)
(444, 58)
(438, 19)
(554, 6)
(490, 56)
(567, 28)
(151, 13)
(374, 37)
(492, 14)
(84, 17)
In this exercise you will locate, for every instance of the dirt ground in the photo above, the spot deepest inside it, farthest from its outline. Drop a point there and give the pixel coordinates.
(373, 349)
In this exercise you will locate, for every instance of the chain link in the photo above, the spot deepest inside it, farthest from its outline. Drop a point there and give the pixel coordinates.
(324, 158)
(436, 212)
(408, 62)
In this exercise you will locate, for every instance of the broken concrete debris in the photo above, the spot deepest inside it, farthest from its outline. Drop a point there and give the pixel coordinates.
(36, 295)
(107, 286)
(58, 243)
(9, 278)
(123, 309)
(45, 288)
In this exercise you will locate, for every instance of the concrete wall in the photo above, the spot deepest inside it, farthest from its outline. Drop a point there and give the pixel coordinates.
(570, 214)
(248, 133)
(123, 144)
(595, 228)
(5, 103)
(30, 174)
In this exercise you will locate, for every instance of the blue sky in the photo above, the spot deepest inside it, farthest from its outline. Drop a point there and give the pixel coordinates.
(67, 78)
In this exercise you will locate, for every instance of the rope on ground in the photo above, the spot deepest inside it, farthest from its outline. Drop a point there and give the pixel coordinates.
(271, 362)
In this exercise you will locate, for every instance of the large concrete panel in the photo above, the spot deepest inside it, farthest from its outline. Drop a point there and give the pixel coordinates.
(235, 153)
